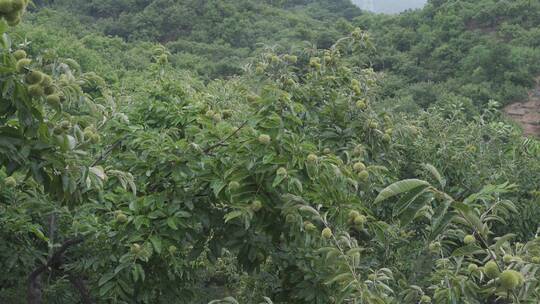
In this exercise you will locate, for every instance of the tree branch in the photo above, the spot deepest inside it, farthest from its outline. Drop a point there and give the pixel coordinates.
(223, 141)
(34, 292)
(106, 153)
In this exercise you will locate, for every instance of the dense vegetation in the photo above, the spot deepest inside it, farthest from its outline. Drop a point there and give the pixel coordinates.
(458, 53)
(187, 151)
(214, 37)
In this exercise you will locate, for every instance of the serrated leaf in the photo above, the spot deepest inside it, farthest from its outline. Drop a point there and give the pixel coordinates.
(441, 221)
(400, 187)
(501, 240)
(105, 288)
(172, 223)
(99, 172)
(435, 173)
(470, 249)
(106, 278)
(308, 209)
(407, 200)
(232, 215)
(339, 278)
(156, 243)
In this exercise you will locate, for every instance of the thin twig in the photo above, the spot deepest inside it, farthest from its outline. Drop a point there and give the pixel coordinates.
(106, 153)
(223, 141)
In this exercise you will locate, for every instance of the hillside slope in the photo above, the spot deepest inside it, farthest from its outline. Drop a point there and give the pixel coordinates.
(378, 170)
(527, 113)
(458, 53)
(222, 32)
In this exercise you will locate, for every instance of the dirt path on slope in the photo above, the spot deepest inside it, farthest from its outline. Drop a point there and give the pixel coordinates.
(527, 113)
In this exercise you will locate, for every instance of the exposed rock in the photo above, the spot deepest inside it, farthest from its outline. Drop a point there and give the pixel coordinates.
(527, 113)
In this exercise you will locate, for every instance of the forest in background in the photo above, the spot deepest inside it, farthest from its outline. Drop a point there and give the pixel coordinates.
(295, 151)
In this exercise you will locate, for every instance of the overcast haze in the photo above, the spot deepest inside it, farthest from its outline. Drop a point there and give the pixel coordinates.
(389, 6)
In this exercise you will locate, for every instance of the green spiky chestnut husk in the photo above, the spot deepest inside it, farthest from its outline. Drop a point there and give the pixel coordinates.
(353, 214)
(469, 239)
(49, 90)
(121, 217)
(22, 64)
(491, 269)
(46, 81)
(35, 90)
(290, 218)
(264, 139)
(326, 233)
(172, 249)
(312, 158)
(308, 226)
(136, 248)
(256, 205)
(281, 171)
(363, 176)
(360, 220)
(234, 185)
(34, 77)
(6, 6)
(18, 5)
(359, 167)
(361, 105)
(510, 279)
(472, 268)
(19, 54)
(10, 182)
(434, 247)
(95, 139)
(53, 100)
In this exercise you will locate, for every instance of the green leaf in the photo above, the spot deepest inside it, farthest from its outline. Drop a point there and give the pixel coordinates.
(99, 172)
(435, 173)
(475, 222)
(106, 278)
(309, 209)
(217, 187)
(230, 300)
(501, 240)
(409, 214)
(400, 188)
(278, 180)
(138, 272)
(156, 243)
(105, 288)
(268, 300)
(232, 215)
(441, 221)
(407, 200)
(172, 223)
(471, 249)
(340, 278)
(37, 232)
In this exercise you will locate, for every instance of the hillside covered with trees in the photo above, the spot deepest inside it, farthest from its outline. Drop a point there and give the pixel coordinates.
(296, 151)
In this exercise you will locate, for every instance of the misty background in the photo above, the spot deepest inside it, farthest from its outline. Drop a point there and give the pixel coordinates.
(389, 6)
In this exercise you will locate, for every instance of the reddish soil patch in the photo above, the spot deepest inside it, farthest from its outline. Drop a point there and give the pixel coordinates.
(527, 113)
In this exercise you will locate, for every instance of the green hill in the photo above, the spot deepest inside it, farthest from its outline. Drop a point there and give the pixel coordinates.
(223, 33)
(205, 151)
